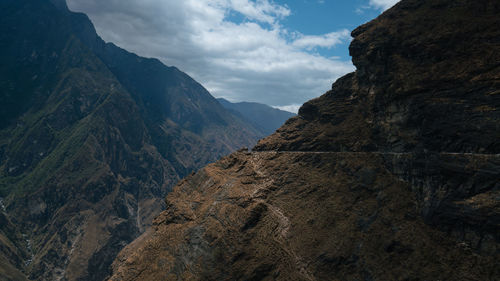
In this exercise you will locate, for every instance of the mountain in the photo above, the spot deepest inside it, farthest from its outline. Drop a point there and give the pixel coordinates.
(92, 138)
(263, 117)
(391, 175)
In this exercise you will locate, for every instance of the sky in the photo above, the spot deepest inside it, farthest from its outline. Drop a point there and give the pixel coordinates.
(276, 52)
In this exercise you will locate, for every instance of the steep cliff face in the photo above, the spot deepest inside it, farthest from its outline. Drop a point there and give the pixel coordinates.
(91, 140)
(427, 79)
(391, 175)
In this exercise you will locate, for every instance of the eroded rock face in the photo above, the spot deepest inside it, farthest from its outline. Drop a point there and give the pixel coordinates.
(427, 78)
(391, 175)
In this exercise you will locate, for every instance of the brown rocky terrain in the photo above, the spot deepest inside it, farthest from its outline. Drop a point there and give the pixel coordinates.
(391, 175)
(303, 216)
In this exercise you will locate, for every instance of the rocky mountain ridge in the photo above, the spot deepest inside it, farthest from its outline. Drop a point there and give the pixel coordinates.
(391, 175)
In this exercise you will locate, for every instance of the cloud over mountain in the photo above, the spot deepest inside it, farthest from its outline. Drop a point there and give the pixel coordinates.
(238, 49)
(383, 4)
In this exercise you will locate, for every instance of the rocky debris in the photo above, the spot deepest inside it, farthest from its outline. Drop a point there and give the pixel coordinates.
(391, 175)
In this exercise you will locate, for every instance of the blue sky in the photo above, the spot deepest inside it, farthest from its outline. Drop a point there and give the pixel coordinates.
(315, 17)
(276, 52)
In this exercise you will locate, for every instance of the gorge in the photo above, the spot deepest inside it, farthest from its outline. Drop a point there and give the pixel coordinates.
(393, 174)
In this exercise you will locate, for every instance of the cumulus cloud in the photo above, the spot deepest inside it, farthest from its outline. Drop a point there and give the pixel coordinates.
(253, 58)
(383, 4)
(294, 108)
(325, 41)
(263, 10)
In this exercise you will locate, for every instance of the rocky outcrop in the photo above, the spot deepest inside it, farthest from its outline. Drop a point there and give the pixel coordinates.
(92, 138)
(427, 79)
(391, 175)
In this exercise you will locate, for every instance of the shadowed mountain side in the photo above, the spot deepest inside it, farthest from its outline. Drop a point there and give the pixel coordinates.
(91, 140)
(176, 108)
(263, 117)
(391, 175)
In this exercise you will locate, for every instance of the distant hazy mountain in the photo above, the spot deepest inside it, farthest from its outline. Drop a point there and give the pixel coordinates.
(92, 138)
(265, 118)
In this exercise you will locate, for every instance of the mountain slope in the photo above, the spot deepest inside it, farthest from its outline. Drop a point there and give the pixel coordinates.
(91, 140)
(12, 256)
(305, 216)
(263, 117)
(165, 93)
(391, 175)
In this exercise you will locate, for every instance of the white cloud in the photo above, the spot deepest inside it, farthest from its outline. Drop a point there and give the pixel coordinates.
(261, 10)
(252, 60)
(325, 41)
(383, 4)
(294, 108)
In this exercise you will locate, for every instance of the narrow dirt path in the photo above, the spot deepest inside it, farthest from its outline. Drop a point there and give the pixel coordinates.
(283, 222)
(369, 152)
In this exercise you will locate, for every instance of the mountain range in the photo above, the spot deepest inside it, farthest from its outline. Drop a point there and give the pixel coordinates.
(92, 138)
(390, 175)
(263, 117)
